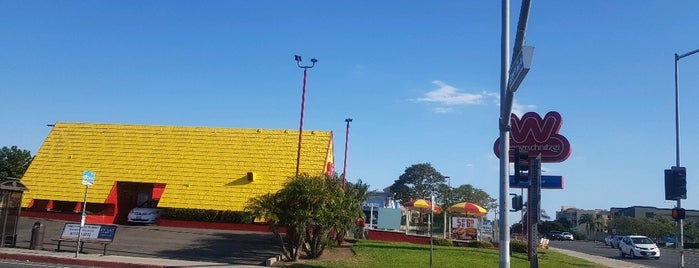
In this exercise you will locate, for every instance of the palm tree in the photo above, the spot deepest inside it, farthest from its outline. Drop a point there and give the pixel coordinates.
(591, 222)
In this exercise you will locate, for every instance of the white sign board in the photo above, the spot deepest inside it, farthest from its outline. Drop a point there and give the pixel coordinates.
(521, 64)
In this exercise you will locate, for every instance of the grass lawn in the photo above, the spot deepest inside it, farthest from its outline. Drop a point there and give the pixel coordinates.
(392, 254)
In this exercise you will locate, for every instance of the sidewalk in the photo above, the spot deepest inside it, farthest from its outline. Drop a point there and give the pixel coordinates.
(601, 260)
(98, 260)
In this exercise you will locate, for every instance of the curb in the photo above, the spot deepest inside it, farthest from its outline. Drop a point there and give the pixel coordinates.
(82, 262)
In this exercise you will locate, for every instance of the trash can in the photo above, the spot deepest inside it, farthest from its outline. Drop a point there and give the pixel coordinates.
(37, 241)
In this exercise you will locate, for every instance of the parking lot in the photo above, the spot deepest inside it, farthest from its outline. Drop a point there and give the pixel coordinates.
(234, 247)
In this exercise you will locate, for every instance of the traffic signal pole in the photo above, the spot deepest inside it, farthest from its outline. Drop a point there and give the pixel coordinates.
(680, 226)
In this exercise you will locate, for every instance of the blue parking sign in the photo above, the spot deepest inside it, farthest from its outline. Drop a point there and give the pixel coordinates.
(88, 178)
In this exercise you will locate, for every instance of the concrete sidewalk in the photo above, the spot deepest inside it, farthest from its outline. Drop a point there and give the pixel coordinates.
(149, 246)
(600, 260)
(98, 260)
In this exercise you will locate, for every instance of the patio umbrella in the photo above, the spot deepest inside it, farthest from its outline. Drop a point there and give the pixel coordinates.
(422, 205)
(468, 209)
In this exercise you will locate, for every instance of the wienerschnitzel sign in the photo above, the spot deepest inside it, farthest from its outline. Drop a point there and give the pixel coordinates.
(538, 136)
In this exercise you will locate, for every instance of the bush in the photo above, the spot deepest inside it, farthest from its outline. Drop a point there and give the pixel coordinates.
(207, 215)
(518, 246)
(442, 241)
(480, 244)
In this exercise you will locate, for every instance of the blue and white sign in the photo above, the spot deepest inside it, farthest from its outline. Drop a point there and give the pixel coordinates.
(547, 182)
(88, 178)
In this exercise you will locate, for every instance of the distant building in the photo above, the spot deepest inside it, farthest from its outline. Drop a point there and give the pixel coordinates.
(643, 212)
(572, 216)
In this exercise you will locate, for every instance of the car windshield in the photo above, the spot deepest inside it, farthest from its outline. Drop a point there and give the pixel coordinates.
(642, 240)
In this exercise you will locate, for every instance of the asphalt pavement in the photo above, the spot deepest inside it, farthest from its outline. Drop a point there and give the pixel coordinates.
(148, 246)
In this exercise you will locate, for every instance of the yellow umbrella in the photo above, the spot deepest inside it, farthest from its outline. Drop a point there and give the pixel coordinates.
(422, 205)
(468, 209)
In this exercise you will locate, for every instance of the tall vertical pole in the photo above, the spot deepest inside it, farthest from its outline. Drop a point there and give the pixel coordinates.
(429, 225)
(344, 168)
(680, 226)
(504, 124)
(446, 203)
(303, 106)
(680, 223)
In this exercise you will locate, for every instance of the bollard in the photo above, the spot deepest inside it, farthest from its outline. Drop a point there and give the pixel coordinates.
(37, 240)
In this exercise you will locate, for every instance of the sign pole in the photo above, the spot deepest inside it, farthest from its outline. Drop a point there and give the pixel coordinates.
(82, 223)
(87, 180)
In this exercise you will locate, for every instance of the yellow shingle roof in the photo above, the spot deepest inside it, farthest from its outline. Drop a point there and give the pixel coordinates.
(202, 167)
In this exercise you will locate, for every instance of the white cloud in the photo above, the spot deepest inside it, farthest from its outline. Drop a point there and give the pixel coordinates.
(449, 95)
(446, 97)
(519, 109)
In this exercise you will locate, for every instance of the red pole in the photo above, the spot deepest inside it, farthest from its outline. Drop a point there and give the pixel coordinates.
(303, 105)
(344, 169)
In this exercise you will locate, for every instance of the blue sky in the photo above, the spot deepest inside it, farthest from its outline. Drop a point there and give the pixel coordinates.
(420, 79)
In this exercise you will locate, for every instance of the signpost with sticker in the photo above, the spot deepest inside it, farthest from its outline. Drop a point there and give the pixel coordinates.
(87, 180)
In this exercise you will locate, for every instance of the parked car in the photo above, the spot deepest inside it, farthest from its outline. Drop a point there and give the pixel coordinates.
(608, 240)
(145, 213)
(567, 236)
(554, 235)
(638, 246)
(615, 241)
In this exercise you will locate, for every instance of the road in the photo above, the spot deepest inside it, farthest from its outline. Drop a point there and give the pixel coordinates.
(669, 257)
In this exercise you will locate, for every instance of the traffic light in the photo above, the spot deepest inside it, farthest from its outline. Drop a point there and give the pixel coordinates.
(521, 160)
(678, 213)
(517, 202)
(676, 183)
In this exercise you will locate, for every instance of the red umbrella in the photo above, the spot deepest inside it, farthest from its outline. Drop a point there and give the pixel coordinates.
(468, 208)
(422, 205)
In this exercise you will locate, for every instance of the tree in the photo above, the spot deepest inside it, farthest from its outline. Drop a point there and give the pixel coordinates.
(591, 222)
(467, 193)
(314, 211)
(418, 181)
(14, 162)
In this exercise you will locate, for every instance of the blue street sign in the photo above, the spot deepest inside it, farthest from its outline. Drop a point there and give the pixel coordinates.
(88, 178)
(547, 182)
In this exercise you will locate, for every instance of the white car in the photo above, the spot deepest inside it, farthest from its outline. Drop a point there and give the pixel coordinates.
(566, 236)
(145, 213)
(638, 246)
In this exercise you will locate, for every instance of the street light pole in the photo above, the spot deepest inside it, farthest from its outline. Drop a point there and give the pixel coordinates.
(680, 226)
(344, 168)
(305, 68)
(446, 203)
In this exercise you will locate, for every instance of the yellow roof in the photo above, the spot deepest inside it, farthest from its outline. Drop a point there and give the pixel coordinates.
(202, 167)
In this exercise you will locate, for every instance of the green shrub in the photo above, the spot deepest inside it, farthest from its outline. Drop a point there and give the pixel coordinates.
(518, 246)
(480, 244)
(442, 241)
(189, 214)
(236, 217)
